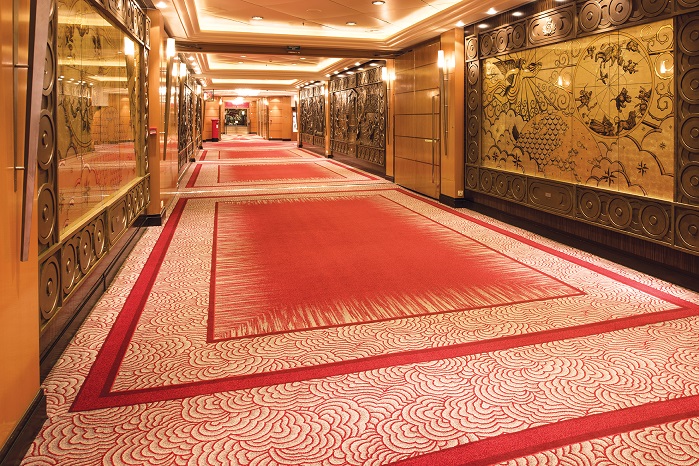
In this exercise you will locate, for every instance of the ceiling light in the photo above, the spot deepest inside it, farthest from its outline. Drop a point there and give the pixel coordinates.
(357, 64)
(293, 64)
(350, 72)
(460, 24)
(491, 11)
(241, 62)
(346, 67)
(340, 75)
(192, 58)
(302, 58)
(161, 5)
(360, 69)
(378, 2)
(327, 75)
(351, 23)
(517, 13)
(482, 25)
(257, 18)
(243, 56)
(373, 64)
(334, 72)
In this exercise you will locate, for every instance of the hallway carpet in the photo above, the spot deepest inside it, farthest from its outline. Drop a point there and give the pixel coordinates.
(365, 325)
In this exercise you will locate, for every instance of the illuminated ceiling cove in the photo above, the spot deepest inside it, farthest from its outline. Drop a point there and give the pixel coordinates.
(280, 44)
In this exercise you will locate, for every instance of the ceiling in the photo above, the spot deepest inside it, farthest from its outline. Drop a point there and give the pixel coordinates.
(300, 41)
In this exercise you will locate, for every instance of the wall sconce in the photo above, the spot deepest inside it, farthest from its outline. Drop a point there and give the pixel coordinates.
(384, 74)
(183, 70)
(443, 65)
(170, 48)
(198, 89)
(175, 70)
(129, 47)
(220, 101)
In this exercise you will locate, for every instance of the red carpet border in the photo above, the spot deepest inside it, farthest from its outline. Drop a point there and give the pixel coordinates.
(579, 362)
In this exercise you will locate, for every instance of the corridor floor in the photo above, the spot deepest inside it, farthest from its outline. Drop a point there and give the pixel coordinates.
(297, 311)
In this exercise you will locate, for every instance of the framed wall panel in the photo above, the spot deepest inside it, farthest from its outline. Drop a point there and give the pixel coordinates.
(592, 114)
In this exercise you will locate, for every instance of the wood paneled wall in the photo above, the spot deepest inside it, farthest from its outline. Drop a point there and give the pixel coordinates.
(417, 120)
(19, 307)
(280, 118)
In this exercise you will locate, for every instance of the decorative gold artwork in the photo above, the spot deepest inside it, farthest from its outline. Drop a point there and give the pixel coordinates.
(98, 117)
(596, 111)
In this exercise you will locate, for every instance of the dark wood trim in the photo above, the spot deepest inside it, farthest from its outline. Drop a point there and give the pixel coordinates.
(456, 202)
(378, 170)
(651, 258)
(24, 433)
(59, 332)
(154, 220)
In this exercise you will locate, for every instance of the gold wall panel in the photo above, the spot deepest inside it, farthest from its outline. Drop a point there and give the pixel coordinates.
(596, 111)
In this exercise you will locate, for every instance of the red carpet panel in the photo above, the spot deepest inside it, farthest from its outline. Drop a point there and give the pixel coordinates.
(354, 323)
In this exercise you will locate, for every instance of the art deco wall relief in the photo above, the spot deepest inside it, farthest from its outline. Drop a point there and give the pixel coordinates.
(358, 116)
(589, 111)
(312, 115)
(93, 168)
(597, 111)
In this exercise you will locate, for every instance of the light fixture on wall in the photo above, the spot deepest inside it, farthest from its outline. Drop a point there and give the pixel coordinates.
(220, 101)
(129, 47)
(183, 70)
(170, 47)
(443, 63)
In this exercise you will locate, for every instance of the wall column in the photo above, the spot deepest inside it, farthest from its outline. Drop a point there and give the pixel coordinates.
(452, 75)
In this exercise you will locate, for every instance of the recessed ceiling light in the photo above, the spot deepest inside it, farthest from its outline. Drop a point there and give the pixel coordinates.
(491, 11)
(351, 23)
(161, 5)
(243, 56)
(302, 58)
(360, 69)
(357, 63)
(241, 62)
(373, 64)
(334, 72)
(350, 72)
(346, 67)
(517, 13)
(378, 2)
(482, 25)
(340, 75)
(257, 18)
(293, 64)
(327, 75)
(191, 58)
(460, 24)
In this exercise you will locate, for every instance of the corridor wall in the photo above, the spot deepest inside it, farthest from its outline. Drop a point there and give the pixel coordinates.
(589, 111)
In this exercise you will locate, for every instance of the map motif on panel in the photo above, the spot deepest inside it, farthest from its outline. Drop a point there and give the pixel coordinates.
(596, 111)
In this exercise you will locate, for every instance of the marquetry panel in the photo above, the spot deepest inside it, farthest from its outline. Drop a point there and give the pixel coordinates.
(312, 115)
(358, 116)
(473, 113)
(687, 116)
(687, 226)
(47, 157)
(630, 214)
(500, 40)
(552, 26)
(645, 182)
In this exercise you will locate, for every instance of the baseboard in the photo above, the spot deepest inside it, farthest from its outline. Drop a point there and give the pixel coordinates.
(456, 202)
(154, 220)
(24, 433)
(77, 307)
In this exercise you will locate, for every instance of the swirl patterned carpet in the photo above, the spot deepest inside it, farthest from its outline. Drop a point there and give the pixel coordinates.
(360, 324)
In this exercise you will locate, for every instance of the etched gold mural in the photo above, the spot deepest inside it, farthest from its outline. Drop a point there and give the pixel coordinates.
(596, 111)
(97, 110)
